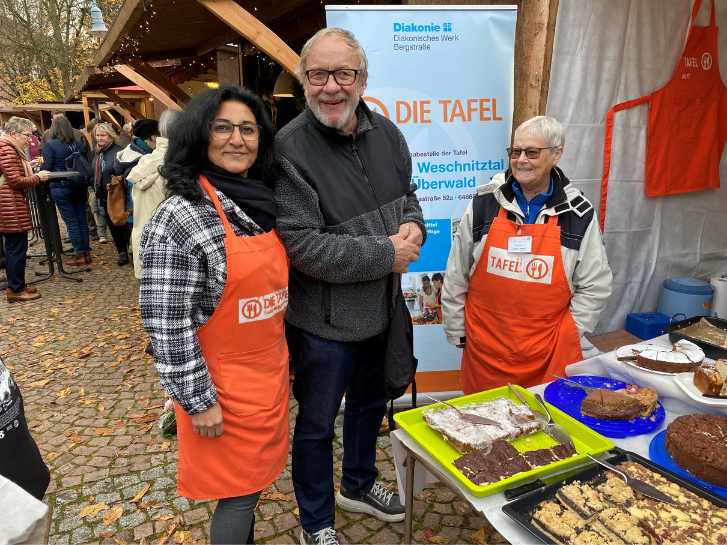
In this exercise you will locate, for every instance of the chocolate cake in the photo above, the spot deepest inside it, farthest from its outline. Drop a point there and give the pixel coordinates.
(607, 511)
(682, 356)
(610, 405)
(647, 398)
(503, 460)
(698, 443)
(711, 379)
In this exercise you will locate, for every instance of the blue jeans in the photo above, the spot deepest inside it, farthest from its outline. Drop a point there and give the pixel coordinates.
(16, 249)
(324, 371)
(71, 203)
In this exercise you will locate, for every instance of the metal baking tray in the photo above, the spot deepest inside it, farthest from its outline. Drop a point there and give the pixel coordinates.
(520, 510)
(710, 350)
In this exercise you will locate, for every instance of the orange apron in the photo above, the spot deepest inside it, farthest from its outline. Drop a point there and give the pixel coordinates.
(687, 123)
(517, 313)
(244, 345)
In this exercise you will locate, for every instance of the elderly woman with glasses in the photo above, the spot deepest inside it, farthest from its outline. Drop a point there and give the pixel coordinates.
(527, 274)
(16, 175)
(214, 289)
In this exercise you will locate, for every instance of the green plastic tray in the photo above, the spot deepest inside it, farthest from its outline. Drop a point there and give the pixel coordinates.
(586, 440)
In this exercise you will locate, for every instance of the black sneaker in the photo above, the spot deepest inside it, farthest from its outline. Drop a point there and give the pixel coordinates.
(326, 536)
(123, 259)
(379, 502)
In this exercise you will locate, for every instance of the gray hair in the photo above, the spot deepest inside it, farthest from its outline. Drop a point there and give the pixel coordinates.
(347, 37)
(542, 125)
(18, 124)
(166, 120)
(108, 128)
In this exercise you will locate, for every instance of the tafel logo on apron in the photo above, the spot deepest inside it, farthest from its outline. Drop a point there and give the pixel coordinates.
(263, 307)
(523, 267)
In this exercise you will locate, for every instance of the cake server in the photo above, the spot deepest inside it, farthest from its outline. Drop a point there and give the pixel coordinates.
(556, 431)
(574, 384)
(471, 418)
(637, 484)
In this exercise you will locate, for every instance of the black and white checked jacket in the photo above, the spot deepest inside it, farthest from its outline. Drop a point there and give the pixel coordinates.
(184, 273)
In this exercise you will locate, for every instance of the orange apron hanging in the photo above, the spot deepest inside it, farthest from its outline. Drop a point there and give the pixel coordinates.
(687, 123)
(517, 314)
(244, 345)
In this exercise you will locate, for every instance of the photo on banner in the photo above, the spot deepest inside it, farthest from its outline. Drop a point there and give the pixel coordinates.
(444, 76)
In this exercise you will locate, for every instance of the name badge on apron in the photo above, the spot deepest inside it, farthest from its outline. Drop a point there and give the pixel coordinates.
(520, 245)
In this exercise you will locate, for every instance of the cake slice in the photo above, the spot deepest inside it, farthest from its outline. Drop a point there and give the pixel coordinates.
(647, 398)
(610, 405)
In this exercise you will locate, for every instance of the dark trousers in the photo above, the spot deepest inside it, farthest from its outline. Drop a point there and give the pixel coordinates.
(16, 250)
(71, 203)
(324, 371)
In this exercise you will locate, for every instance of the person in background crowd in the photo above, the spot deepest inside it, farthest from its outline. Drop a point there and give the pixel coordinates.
(15, 221)
(34, 148)
(69, 196)
(349, 217)
(124, 137)
(226, 369)
(103, 169)
(527, 282)
(77, 134)
(149, 188)
(143, 143)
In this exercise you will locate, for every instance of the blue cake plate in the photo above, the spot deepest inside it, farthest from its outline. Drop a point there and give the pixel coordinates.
(659, 455)
(568, 399)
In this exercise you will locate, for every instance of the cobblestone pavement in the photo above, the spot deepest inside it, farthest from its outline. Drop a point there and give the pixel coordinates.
(92, 399)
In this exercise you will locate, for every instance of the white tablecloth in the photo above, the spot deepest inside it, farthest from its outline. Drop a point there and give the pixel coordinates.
(491, 506)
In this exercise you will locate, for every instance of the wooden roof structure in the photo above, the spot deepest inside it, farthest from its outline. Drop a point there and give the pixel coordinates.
(149, 36)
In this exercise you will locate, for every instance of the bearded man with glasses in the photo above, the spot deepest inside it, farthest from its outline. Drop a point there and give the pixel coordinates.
(351, 222)
(527, 275)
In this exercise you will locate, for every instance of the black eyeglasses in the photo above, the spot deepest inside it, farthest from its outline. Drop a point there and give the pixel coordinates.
(530, 153)
(221, 128)
(343, 76)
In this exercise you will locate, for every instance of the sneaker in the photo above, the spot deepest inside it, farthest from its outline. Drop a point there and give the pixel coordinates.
(123, 259)
(379, 502)
(102, 240)
(327, 536)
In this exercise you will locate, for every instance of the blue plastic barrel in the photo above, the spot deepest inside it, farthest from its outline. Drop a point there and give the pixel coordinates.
(685, 297)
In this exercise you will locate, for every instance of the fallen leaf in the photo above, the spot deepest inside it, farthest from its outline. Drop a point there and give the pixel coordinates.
(479, 537)
(82, 392)
(119, 540)
(104, 431)
(164, 517)
(93, 510)
(83, 355)
(275, 496)
(75, 438)
(438, 539)
(182, 536)
(64, 393)
(105, 534)
(113, 514)
(296, 512)
(140, 493)
(39, 383)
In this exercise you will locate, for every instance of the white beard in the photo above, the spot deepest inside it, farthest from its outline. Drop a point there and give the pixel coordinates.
(339, 123)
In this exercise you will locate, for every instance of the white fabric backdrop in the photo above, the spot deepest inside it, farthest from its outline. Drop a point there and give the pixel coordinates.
(605, 52)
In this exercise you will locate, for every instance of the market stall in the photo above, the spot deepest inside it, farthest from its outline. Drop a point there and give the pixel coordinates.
(421, 460)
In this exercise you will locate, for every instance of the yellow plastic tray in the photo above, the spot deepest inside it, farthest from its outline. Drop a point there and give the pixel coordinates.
(584, 439)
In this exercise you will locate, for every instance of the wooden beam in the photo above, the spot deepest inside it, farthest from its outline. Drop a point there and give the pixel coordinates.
(534, 34)
(126, 114)
(113, 120)
(86, 113)
(245, 24)
(162, 80)
(149, 86)
(128, 105)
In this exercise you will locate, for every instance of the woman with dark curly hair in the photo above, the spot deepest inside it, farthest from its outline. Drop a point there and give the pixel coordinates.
(214, 290)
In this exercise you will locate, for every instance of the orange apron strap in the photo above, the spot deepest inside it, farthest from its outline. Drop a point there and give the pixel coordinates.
(695, 11)
(218, 206)
(607, 151)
